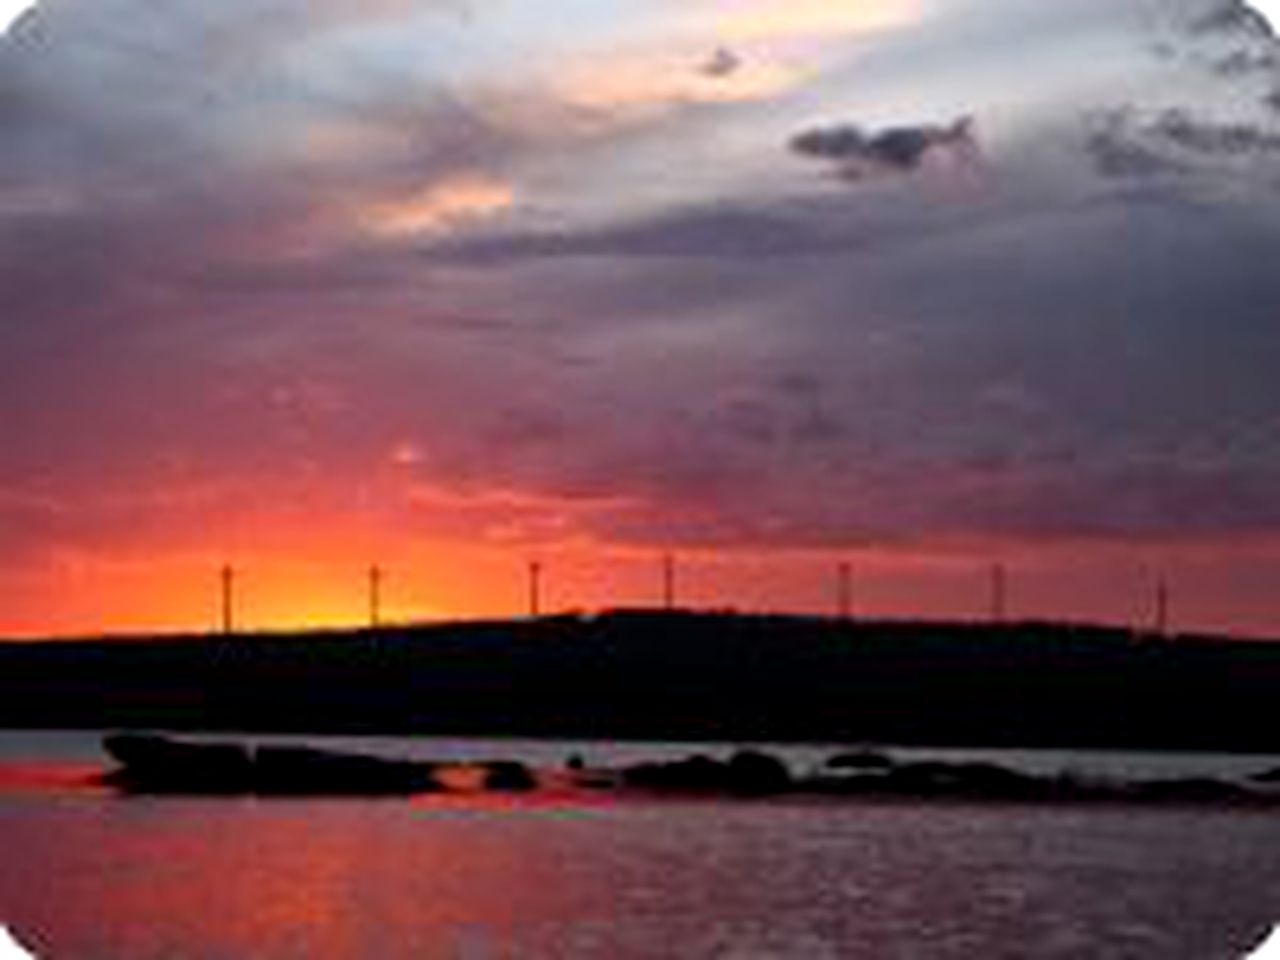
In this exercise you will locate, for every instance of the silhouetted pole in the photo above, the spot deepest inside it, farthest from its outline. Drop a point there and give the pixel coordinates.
(999, 593)
(844, 591)
(668, 582)
(535, 588)
(1162, 608)
(227, 578)
(375, 596)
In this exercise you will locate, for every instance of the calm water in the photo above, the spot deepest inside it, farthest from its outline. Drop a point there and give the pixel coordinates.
(90, 875)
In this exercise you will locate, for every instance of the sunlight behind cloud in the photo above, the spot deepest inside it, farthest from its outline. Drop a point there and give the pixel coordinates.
(648, 82)
(441, 206)
(763, 20)
(722, 52)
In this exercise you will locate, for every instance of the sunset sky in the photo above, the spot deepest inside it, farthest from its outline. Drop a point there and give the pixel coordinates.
(448, 285)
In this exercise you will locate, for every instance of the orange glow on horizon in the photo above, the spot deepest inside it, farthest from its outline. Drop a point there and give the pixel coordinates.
(325, 585)
(309, 570)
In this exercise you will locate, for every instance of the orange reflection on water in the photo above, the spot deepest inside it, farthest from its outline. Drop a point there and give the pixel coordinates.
(44, 777)
(140, 878)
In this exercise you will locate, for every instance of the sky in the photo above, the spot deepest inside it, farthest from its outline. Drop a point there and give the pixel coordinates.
(451, 286)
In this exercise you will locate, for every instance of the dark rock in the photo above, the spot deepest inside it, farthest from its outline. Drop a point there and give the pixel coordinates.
(696, 773)
(746, 772)
(306, 770)
(150, 763)
(155, 764)
(753, 772)
(508, 775)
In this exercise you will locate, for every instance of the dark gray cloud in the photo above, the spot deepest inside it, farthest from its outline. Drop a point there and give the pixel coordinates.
(1234, 42)
(877, 343)
(858, 153)
(715, 232)
(1128, 143)
(1117, 151)
(1233, 17)
(723, 62)
(1181, 129)
(1246, 62)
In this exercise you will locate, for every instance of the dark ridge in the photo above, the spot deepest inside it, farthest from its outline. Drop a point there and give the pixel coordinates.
(674, 675)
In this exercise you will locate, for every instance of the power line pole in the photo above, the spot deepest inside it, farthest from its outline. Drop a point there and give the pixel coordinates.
(226, 579)
(375, 596)
(844, 590)
(535, 588)
(668, 582)
(999, 593)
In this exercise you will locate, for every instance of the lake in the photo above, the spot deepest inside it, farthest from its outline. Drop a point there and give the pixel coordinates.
(87, 874)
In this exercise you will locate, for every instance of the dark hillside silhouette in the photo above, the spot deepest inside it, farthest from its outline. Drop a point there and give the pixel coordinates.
(675, 675)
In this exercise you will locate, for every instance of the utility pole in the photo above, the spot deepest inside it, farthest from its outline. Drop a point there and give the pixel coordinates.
(227, 578)
(375, 596)
(668, 582)
(844, 590)
(999, 593)
(535, 588)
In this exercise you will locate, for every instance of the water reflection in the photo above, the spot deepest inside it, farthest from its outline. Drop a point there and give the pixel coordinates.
(44, 778)
(471, 877)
